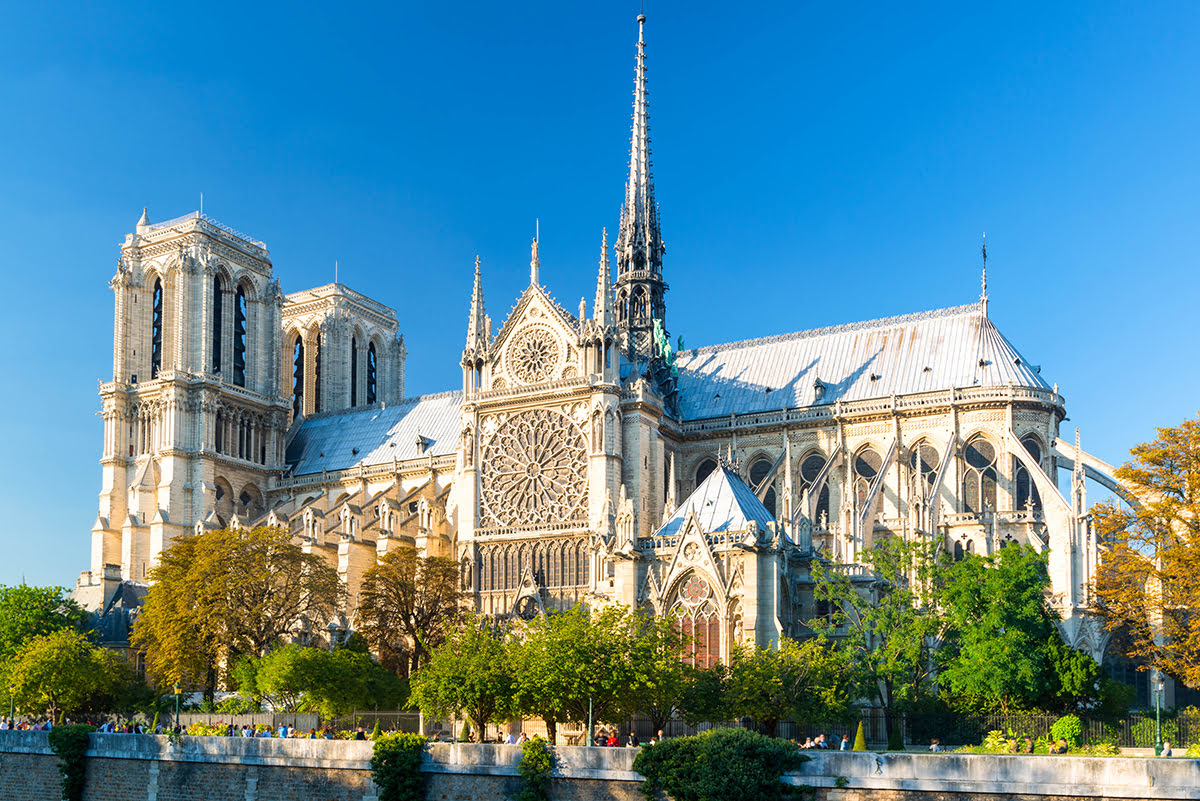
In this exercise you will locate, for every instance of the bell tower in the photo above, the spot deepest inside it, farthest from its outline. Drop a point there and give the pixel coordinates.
(639, 289)
(194, 422)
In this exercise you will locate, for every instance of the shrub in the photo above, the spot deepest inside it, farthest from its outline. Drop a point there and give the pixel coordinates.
(376, 732)
(1101, 749)
(396, 767)
(895, 738)
(70, 744)
(860, 738)
(1068, 727)
(1143, 732)
(718, 765)
(536, 763)
(1193, 751)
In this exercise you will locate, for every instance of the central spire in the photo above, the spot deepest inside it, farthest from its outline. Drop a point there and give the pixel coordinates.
(639, 286)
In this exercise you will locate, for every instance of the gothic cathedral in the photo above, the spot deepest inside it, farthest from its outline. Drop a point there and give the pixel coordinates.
(586, 458)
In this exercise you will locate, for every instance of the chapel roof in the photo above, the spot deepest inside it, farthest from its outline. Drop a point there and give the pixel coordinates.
(925, 352)
(722, 502)
(376, 434)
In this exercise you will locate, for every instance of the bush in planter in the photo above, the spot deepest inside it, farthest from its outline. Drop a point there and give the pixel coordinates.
(860, 738)
(536, 763)
(718, 765)
(396, 767)
(1069, 728)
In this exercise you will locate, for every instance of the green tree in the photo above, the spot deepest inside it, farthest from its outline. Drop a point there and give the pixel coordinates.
(1147, 585)
(890, 626)
(999, 657)
(27, 612)
(809, 681)
(569, 660)
(61, 672)
(470, 673)
(405, 606)
(221, 594)
(298, 678)
(665, 679)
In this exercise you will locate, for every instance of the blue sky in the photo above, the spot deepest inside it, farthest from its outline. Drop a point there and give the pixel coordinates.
(816, 164)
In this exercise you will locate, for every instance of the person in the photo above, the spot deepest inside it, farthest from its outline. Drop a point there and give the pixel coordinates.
(524, 738)
(510, 739)
(1027, 746)
(845, 744)
(1059, 747)
(613, 740)
(660, 736)
(360, 734)
(821, 742)
(633, 741)
(1166, 748)
(808, 743)
(935, 746)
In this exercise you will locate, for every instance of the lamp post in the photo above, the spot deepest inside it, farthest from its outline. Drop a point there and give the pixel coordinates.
(12, 705)
(589, 733)
(1156, 682)
(177, 691)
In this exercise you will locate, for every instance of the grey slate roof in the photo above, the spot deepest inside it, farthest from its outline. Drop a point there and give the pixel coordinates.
(934, 350)
(722, 502)
(328, 442)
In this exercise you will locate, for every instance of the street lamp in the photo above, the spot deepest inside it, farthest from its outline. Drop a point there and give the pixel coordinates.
(1156, 683)
(177, 691)
(12, 705)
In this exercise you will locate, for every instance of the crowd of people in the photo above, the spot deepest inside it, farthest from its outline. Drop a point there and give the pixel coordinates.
(26, 724)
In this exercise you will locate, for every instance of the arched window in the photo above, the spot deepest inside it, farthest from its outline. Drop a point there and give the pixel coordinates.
(758, 473)
(372, 373)
(353, 372)
(220, 433)
(867, 465)
(1027, 491)
(316, 346)
(239, 338)
(218, 313)
(958, 551)
(156, 330)
(298, 378)
(810, 469)
(924, 464)
(704, 470)
(979, 476)
(698, 622)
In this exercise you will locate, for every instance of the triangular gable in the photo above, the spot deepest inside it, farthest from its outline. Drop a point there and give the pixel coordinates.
(693, 553)
(535, 297)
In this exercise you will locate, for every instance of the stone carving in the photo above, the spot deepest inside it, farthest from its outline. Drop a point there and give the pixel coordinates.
(534, 471)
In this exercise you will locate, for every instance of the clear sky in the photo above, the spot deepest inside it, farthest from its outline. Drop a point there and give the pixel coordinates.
(816, 164)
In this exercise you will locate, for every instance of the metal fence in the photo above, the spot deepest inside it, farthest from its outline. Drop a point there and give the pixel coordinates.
(302, 721)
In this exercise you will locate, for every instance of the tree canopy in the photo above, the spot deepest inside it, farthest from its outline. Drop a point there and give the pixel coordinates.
(27, 612)
(62, 672)
(1147, 585)
(406, 604)
(304, 679)
(469, 672)
(221, 594)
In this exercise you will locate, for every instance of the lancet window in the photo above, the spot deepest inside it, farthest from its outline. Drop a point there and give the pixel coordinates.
(353, 372)
(239, 338)
(156, 329)
(698, 622)
(979, 476)
(702, 472)
(1027, 496)
(298, 378)
(810, 470)
(867, 465)
(372, 373)
(758, 473)
(218, 313)
(923, 461)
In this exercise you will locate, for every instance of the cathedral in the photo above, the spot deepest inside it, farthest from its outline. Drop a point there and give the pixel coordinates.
(585, 456)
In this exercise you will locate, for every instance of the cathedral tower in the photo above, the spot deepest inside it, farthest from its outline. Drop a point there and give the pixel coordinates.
(639, 288)
(194, 423)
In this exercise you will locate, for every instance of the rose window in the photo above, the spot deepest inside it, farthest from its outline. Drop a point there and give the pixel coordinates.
(695, 589)
(533, 356)
(534, 471)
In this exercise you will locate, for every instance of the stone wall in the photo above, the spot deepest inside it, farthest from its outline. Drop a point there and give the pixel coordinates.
(129, 767)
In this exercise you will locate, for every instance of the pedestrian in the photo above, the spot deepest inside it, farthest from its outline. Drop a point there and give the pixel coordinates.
(633, 740)
(935, 745)
(845, 744)
(821, 742)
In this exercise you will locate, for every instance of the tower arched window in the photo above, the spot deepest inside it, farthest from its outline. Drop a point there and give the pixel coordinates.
(979, 476)
(758, 473)
(218, 313)
(353, 372)
(372, 373)
(810, 470)
(316, 346)
(298, 379)
(219, 439)
(1027, 496)
(867, 465)
(239, 338)
(704, 470)
(156, 329)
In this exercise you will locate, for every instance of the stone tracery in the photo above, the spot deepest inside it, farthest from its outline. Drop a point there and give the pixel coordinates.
(534, 471)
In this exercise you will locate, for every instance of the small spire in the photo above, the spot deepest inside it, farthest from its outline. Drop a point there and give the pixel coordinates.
(602, 311)
(983, 295)
(478, 325)
(533, 263)
(144, 222)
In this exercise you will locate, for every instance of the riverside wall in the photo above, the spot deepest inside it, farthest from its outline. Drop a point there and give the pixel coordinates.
(130, 767)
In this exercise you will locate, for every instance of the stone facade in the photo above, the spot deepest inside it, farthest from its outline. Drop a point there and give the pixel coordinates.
(586, 457)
